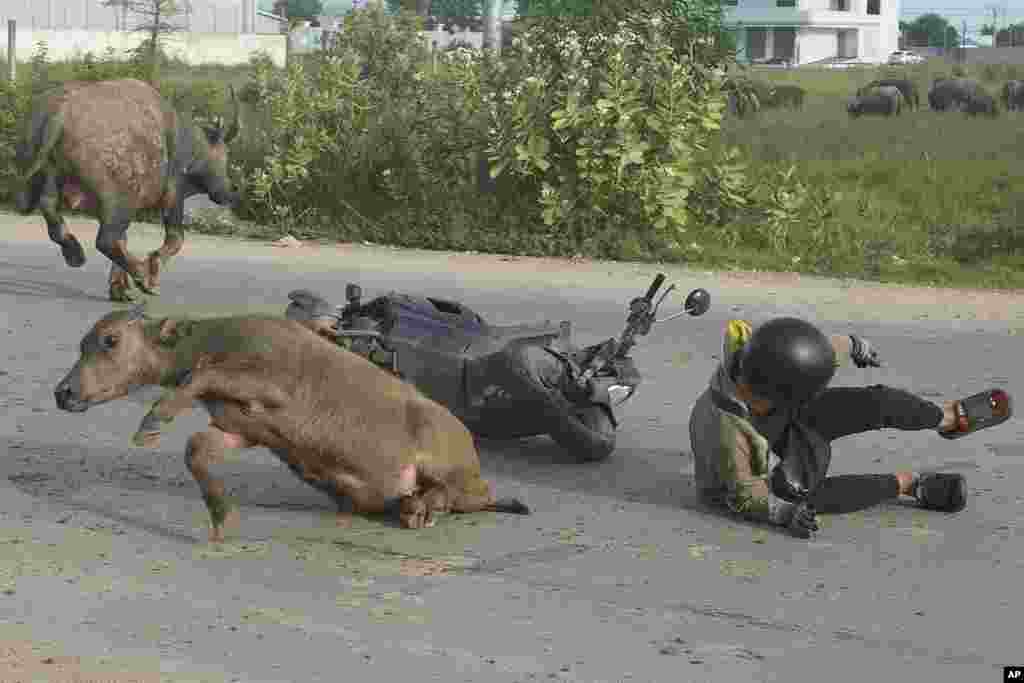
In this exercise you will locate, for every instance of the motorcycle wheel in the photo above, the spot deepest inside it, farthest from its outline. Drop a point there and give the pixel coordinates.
(588, 434)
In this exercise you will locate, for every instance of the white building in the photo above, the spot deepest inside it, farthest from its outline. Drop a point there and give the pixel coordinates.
(806, 31)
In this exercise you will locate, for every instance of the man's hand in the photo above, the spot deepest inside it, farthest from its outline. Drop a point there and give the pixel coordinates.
(799, 518)
(804, 521)
(862, 354)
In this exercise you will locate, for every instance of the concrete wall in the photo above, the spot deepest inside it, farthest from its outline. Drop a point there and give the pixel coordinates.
(205, 16)
(193, 48)
(309, 39)
(817, 44)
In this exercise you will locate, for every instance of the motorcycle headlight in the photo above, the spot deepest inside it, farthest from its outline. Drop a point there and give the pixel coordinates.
(619, 393)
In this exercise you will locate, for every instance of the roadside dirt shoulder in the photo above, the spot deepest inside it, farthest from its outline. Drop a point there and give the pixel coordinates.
(829, 299)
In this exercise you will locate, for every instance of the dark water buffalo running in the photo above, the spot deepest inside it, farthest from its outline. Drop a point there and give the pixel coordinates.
(112, 148)
(907, 88)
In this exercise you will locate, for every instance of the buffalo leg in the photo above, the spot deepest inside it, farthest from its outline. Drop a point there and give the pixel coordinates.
(120, 285)
(49, 206)
(112, 242)
(203, 450)
(252, 392)
(368, 499)
(417, 511)
(174, 240)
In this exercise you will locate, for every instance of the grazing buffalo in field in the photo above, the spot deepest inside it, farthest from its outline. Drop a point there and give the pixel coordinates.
(882, 104)
(788, 96)
(1013, 95)
(981, 103)
(907, 88)
(112, 148)
(952, 92)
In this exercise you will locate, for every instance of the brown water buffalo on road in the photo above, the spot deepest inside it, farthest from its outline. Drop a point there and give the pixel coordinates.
(112, 148)
(339, 422)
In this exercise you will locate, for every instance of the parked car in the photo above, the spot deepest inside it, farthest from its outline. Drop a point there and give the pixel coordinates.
(905, 57)
(773, 61)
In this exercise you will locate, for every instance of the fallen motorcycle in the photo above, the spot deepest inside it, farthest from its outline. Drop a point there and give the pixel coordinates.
(503, 382)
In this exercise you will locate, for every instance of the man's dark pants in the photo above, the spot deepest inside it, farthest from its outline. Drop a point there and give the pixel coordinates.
(842, 411)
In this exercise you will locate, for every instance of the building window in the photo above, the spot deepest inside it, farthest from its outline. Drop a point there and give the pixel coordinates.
(785, 3)
(874, 6)
(839, 5)
(730, 3)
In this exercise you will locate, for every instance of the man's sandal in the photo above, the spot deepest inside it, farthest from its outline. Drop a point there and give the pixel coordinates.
(942, 491)
(980, 411)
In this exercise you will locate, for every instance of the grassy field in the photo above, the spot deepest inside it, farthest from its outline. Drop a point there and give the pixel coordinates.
(920, 198)
(909, 186)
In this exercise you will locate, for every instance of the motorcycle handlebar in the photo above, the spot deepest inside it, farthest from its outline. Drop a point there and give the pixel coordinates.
(658, 280)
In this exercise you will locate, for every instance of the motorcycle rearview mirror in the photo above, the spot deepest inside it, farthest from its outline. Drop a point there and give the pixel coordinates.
(353, 293)
(698, 302)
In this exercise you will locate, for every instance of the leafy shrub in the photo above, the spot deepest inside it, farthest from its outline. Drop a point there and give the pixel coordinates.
(619, 134)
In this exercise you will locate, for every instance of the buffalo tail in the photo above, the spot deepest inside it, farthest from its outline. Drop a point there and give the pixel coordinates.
(508, 505)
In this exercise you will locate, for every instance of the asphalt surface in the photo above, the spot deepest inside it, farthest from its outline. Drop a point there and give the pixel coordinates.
(618, 575)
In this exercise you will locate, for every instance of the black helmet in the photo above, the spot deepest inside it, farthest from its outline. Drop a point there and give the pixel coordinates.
(788, 361)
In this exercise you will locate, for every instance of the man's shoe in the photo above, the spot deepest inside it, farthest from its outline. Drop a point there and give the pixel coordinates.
(980, 411)
(940, 491)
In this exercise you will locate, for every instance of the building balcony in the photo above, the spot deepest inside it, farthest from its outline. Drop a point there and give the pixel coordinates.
(792, 16)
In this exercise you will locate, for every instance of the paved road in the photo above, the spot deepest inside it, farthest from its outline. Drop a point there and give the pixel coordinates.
(617, 576)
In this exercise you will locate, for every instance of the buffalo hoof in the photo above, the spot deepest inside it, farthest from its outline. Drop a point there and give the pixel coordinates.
(122, 294)
(146, 286)
(71, 250)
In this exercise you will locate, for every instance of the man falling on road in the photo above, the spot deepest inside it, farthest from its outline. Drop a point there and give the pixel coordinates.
(761, 433)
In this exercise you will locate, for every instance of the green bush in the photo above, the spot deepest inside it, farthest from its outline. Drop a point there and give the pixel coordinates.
(619, 133)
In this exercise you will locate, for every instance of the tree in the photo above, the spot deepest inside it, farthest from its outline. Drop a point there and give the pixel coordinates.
(988, 30)
(1011, 35)
(299, 9)
(443, 9)
(155, 19)
(420, 7)
(932, 30)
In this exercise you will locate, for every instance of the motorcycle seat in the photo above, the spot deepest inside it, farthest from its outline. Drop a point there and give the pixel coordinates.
(523, 331)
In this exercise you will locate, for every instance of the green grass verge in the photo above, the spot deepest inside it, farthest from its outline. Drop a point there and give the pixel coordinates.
(923, 198)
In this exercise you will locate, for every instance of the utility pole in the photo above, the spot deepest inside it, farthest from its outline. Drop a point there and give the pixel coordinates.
(995, 22)
(12, 52)
(963, 41)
